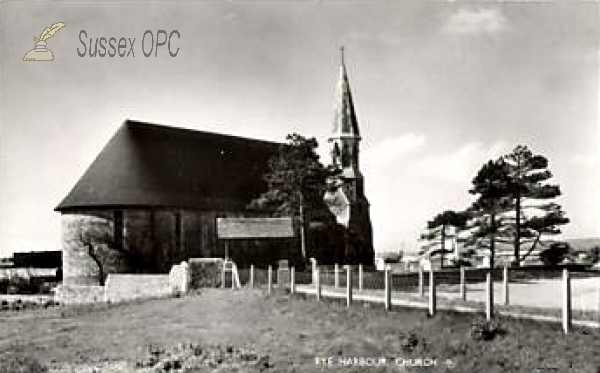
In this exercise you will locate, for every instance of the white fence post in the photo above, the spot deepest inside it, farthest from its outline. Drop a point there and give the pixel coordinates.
(489, 309)
(223, 276)
(313, 264)
(463, 284)
(292, 280)
(235, 277)
(421, 287)
(566, 309)
(270, 284)
(252, 276)
(318, 278)
(505, 285)
(360, 277)
(348, 285)
(336, 276)
(432, 295)
(388, 289)
(232, 276)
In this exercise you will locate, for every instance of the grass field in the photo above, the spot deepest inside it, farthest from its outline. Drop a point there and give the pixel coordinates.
(288, 334)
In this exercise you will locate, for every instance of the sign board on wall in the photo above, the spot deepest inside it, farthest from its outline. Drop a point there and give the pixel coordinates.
(231, 228)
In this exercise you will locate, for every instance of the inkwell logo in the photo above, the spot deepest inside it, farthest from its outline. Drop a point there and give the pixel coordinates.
(40, 52)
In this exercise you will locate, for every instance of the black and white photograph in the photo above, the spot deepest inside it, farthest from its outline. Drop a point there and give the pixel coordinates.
(299, 186)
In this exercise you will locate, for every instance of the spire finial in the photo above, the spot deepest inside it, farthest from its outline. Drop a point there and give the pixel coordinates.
(342, 51)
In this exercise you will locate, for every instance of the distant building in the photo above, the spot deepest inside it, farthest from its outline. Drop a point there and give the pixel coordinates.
(38, 259)
(6, 262)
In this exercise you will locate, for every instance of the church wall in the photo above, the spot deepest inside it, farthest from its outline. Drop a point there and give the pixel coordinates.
(160, 238)
(139, 233)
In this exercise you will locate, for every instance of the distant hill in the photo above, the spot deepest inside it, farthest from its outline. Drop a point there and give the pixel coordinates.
(578, 245)
(583, 244)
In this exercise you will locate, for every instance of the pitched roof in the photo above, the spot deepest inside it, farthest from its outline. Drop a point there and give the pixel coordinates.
(149, 165)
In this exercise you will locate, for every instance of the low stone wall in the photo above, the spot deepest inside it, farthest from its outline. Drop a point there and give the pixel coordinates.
(120, 288)
(124, 287)
(79, 294)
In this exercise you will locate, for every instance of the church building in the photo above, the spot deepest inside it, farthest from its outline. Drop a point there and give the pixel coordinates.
(153, 195)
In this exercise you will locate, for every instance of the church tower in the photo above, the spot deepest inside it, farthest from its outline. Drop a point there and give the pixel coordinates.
(345, 150)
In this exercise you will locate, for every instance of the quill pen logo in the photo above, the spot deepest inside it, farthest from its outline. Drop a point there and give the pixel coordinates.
(40, 52)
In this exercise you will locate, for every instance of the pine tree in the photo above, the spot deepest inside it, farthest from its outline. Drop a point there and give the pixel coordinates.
(437, 231)
(296, 184)
(531, 218)
(487, 226)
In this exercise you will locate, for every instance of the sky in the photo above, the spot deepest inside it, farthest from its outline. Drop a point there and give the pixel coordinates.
(439, 89)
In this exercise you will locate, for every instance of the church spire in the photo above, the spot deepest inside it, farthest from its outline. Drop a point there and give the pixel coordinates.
(344, 145)
(345, 123)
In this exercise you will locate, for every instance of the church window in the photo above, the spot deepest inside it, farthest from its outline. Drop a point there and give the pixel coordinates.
(346, 156)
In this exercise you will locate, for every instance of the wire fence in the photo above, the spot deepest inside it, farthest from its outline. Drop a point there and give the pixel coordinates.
(545, 292)
(448, 279)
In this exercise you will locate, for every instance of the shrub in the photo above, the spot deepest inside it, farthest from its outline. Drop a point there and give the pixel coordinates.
(205, 272)
(46, 287)
(22, 364)
(412, 343)
(193, 358)
(595, 254)
(22, 285)
(485, 330)
(555, 254)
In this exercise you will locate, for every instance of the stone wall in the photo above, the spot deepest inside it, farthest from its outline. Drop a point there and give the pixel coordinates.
(79, 294)
(124, 287)
(120, 287)
(179, 278)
